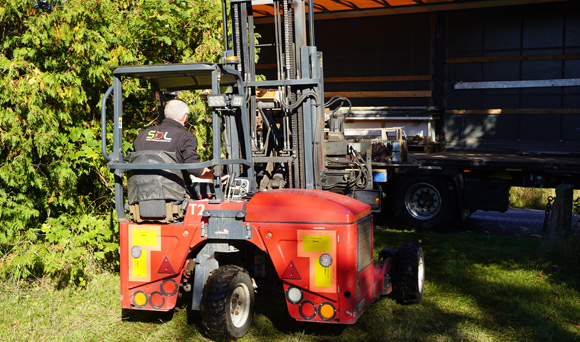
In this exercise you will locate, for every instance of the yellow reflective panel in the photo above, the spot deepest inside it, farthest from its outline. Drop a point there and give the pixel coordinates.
(144, 237)
(319, 244)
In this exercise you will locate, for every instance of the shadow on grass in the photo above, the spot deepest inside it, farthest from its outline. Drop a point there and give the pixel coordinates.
(128, 315)
(493, 285)
(518, 311)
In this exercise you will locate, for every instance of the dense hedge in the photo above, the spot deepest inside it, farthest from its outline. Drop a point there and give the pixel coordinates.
(56, 194)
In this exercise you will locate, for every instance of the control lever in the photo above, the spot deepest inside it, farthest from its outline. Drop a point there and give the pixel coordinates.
(230, 180)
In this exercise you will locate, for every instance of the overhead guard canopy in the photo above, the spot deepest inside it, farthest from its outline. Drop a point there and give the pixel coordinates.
(179, 76)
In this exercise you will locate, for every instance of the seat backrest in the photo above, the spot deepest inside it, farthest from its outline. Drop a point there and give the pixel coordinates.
(149, 191)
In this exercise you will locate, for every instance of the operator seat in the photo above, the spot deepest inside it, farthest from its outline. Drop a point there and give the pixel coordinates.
(156, 195)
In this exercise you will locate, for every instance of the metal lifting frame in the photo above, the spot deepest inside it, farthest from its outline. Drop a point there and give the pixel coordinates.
(300, 81)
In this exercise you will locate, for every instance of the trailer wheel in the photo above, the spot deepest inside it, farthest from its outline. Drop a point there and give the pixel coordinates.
(424, 202)
(408, 274)
(227, 303)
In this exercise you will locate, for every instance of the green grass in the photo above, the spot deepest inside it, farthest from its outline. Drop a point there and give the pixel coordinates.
(532, 198)
(478, 288)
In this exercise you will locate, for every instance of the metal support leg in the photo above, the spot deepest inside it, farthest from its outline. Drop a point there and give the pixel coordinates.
(205, 263)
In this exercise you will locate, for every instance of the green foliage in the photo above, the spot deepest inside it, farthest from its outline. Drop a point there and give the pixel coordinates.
(55, 64)
(537, 198)
(530, 198)
(576, 210)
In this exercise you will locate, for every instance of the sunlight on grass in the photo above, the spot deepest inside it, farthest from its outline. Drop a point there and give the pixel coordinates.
(478, 288)
(532, 198)
(42, 313)
(530, 293)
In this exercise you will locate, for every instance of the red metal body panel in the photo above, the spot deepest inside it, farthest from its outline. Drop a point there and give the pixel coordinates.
(162, 245)
(300, 230)
(302, 205)
(159, 245)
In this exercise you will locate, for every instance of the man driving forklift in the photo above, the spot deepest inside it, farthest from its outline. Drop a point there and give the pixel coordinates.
(171, 136)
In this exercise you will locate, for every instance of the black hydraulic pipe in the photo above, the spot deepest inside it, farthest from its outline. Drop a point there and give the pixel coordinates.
(225, 24)
(311, 22)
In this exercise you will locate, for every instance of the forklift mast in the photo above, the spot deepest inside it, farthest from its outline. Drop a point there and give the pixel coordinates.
(291, 147)
(286, 130)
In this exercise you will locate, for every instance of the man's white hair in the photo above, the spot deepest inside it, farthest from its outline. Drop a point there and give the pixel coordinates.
(175, 109)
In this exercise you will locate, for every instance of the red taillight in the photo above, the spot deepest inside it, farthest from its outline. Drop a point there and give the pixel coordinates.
(156, 300)
(169, 287)
(307, 310)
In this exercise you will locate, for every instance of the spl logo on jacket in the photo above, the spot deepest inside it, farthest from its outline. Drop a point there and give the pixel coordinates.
(158, 136)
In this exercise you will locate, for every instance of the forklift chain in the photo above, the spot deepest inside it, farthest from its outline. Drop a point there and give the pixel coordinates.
(548, 210)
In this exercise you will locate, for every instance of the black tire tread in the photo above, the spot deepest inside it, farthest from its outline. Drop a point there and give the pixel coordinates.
(405, 269)
(214, 305)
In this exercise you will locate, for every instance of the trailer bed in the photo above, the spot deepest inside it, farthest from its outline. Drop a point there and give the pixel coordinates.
(524, 161)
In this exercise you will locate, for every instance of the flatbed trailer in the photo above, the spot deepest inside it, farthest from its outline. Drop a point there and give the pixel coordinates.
(562, 165)
(486, 92)
(429, 189)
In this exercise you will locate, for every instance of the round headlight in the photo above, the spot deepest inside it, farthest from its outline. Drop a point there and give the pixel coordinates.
(325, 260)
(136, 252)
(294, 295)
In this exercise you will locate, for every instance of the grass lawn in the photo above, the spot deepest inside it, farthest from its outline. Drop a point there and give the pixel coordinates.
(478, 288)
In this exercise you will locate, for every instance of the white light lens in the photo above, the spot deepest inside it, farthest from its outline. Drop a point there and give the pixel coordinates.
(325, 260)
(237, 100)
(136, 252)
(294, 295)
(215, 101)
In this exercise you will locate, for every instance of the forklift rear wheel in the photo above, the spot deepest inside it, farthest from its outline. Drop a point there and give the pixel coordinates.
(408, 274)
(227, 303)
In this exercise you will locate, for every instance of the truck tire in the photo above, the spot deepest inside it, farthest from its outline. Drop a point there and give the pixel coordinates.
(227, 303)
(408, 274)
(424, 202)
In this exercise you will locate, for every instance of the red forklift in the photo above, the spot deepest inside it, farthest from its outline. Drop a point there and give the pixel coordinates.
(286, 218)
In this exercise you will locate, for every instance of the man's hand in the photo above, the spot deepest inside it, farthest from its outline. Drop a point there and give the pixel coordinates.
(205, 177)
(225, 179)
(206, 174)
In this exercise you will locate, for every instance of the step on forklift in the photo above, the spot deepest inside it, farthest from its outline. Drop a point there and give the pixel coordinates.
(292, 214)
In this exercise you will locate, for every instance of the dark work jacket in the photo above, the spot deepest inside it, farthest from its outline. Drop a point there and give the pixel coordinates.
(170, 136)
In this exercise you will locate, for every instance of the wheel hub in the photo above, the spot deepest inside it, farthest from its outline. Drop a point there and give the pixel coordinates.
(423, 201)
(421, 275)
(240, 305)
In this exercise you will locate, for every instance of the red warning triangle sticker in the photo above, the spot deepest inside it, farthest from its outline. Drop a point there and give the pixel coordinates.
(291, 272)
(166, 267)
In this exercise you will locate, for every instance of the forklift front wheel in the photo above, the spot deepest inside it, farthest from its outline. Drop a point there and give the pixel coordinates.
(227, 303)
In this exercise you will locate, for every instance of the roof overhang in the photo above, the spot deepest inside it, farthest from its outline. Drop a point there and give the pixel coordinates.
(337, 9)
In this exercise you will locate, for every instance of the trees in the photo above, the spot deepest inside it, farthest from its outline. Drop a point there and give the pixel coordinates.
(55, 64)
